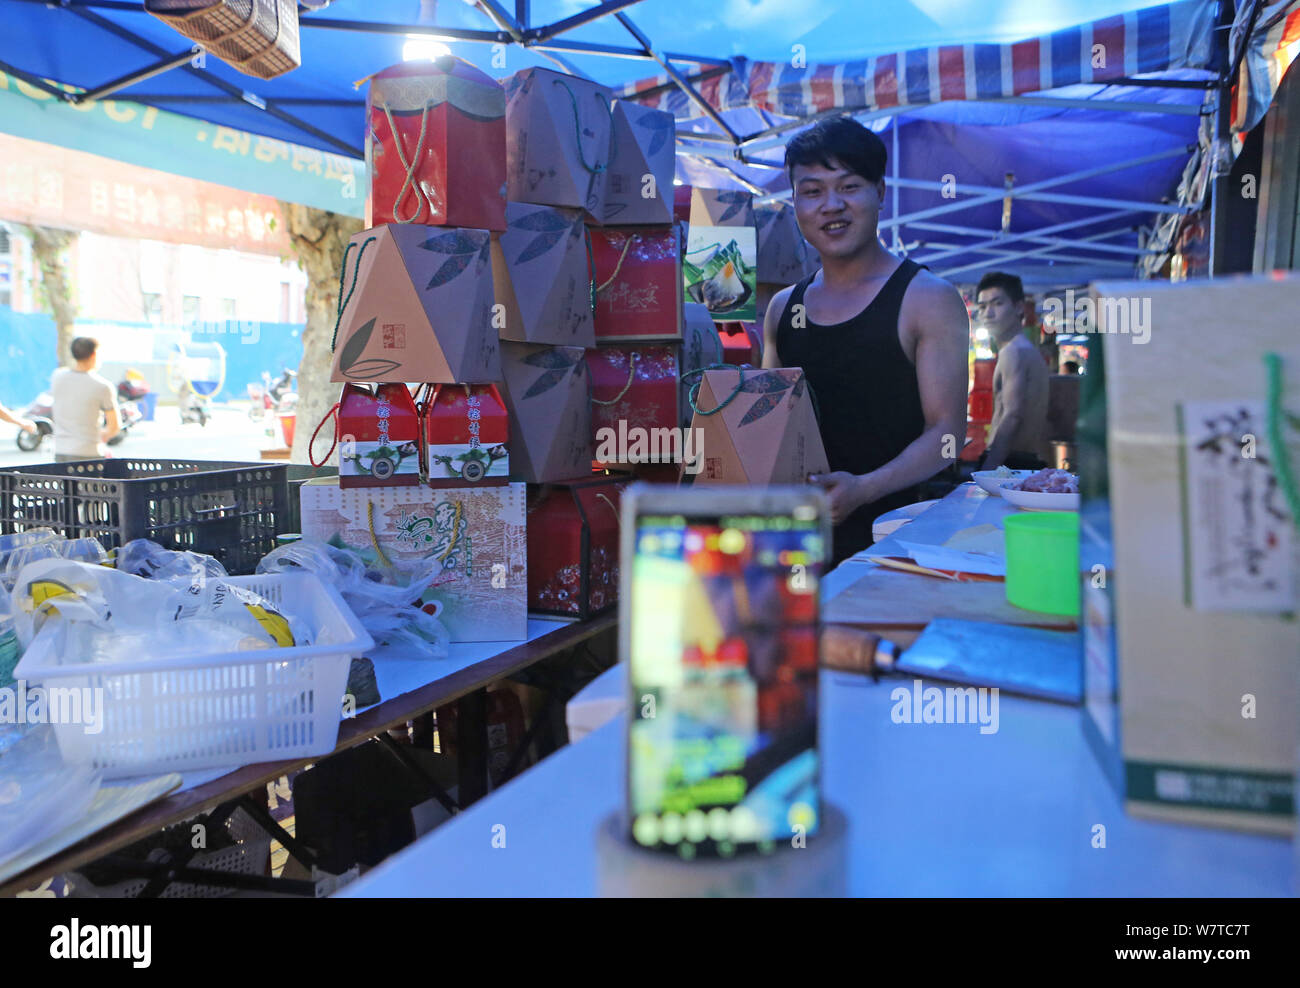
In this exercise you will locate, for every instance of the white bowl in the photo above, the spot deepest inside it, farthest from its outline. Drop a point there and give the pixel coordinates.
(1038, 500)
(991, 481)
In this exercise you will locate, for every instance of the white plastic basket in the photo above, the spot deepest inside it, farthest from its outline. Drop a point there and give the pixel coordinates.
(163, 714)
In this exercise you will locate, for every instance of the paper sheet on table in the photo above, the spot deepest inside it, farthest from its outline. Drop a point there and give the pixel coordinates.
(975, 559)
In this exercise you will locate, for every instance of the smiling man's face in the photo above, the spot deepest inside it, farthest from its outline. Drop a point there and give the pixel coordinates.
(838, 210)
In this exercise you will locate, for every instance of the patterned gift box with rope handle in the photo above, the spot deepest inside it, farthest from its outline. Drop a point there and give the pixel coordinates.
(755, 426)
(638, 282)
(784, 257)
(547, 395)
(467, 433)
(642, 160)
(415, 304)
(541, 273)
(478, 534)
(436, 146)
(558, 140)
(633, 387)
(574, 546)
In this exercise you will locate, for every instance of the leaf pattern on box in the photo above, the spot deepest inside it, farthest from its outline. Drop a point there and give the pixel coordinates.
(351, 364)
(760, 408)
(764, 217)
(462, 248)
(550, 358)
(547, 381)
(454, 242)
(661, 126)
(544, 220)
(539, 245)
(765, 383)
(797, 391)
(734, 201)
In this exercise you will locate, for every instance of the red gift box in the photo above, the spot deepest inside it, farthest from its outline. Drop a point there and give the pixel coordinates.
(741, 343)
(466, 431)
(982, 375)
(379, 437)
(980, 406)
(638, 274)
(436, 146)
(573, 545)
(633, 387)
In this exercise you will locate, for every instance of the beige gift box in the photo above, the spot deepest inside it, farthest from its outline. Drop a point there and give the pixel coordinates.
(476, 532)
(642, 161)
(1191, 648)
(557, 140)
(766, 434)
(417, 306)
(542, 278)
(547, 395)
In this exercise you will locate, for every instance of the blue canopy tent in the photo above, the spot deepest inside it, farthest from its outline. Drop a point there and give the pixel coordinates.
(1088, 157)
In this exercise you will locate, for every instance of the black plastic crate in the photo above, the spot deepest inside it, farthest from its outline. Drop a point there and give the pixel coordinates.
(232, 511)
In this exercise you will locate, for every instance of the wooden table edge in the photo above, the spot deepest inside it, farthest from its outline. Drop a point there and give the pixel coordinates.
(383, 716)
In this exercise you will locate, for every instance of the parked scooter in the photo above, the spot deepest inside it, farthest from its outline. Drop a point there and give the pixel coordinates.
(194, 407)
(278, 396)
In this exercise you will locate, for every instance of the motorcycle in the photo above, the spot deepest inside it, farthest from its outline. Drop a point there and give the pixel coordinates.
(193, 406)
(41, 411)
(273, 397)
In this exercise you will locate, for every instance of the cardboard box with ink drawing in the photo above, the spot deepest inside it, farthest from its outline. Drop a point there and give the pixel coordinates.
(1188, 549)
(476, 532)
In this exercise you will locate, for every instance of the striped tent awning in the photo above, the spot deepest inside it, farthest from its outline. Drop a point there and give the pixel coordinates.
(1153, 39)
(1274, 45)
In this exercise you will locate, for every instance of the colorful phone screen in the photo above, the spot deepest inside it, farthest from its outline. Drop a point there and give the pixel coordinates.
(722, 746)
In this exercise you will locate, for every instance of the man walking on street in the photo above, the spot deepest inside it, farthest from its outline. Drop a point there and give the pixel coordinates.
(80, 396)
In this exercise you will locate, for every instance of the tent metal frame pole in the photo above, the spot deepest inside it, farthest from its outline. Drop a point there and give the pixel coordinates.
(993, 250)
(617, 51)
(285, 101)
(1035, 187)
(140, 75)
(577, 20)
(1055, 228)
(35, 82)
(898, 230)
(761, 142)
(430, 31)
(1038, 252)
(498, 16)
(986, 193)
(992, 239)
(664, 87)
(214, 80)
(1107, 106)
(678, 78)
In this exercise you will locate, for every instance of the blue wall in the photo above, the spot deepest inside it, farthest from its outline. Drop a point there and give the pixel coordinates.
(28, 341)
(27, 359)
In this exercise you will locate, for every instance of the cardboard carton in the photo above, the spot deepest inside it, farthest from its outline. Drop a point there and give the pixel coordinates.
(476, 532)
(1189, 550)
(541, 275)
(641, 164)
(557, 140)
(417, 306)
(546, 393)
(766, 434)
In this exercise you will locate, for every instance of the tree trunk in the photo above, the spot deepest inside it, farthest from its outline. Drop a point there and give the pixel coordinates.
(319, 238)
(48, 249)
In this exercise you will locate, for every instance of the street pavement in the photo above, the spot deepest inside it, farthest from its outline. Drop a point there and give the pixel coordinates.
(229, 435)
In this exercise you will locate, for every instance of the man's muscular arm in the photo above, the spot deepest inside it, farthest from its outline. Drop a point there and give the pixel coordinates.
(1015, 367)
(772, 319)
(937, 316)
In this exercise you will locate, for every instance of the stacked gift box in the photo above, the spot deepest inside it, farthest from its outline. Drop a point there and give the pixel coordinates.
(417, 303)
(979, 408)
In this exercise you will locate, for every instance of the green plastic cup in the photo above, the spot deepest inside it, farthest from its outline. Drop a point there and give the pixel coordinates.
(1043, 562)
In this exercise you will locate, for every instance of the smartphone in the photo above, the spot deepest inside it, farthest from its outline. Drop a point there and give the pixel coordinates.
(719, 626)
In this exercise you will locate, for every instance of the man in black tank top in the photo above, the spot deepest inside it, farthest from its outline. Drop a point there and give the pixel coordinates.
(882, 343)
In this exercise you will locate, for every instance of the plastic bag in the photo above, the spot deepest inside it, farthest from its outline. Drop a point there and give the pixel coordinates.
(150, 560)
(388, 611)
(118, 616)
(39, 796)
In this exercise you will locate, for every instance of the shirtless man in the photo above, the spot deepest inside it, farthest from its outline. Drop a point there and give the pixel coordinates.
(882, 343)
(1020, 381)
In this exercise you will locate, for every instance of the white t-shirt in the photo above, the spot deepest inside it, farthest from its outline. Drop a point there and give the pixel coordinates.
(79, 397)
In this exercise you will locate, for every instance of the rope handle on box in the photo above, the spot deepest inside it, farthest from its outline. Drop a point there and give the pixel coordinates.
(693, 395)
(333, 413)
(408, 166)
(612, 506)
(631, 376)
(1281, 457)
(343, 274)
(374, 539)
(591, 265)
(577, 126)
